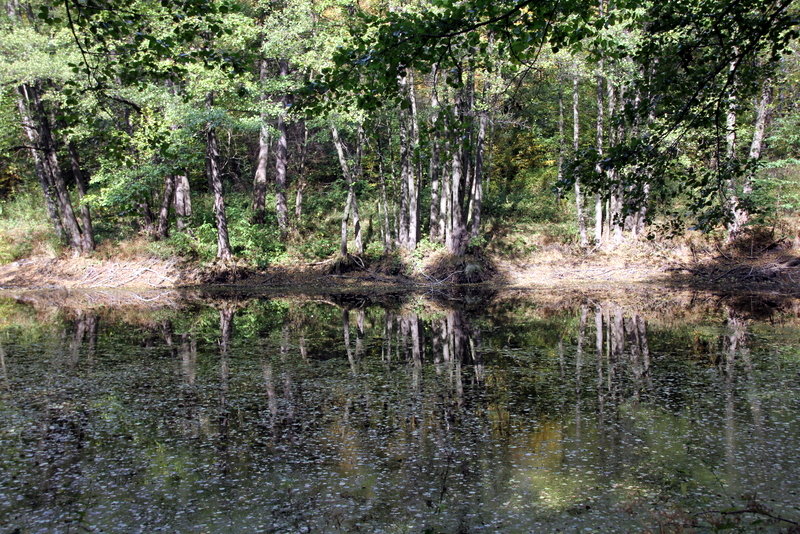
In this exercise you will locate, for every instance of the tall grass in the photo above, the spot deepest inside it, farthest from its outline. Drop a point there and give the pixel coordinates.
(24, 227)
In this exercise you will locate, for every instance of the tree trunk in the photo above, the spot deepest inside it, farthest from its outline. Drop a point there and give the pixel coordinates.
(281, 159)
(434, 171)
(37, 154)
(260, 179)
(476, 200)
(575, 142)
(212, 165)
(82, 183)
(183, 201)
(51, 164)
(455, 240)
(598, 199)
(301, 178)
(162, 227)
(730, 152)
(383, 203)
(741, 213)
(409, 142)
(351, 204)
(615, 222)
(413, 191)
(561, 141)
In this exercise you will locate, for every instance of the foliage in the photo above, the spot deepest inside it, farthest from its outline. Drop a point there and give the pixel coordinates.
(24, 228)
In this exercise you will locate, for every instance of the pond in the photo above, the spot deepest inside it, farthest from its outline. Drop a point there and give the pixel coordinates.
(401, 413)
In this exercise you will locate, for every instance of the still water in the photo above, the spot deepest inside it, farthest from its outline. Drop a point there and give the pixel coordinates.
(325, 413)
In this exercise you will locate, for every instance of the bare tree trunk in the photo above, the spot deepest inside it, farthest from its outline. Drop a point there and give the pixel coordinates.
(37, 154)
(456, 236)
(183, 201)
(50, 159)
(476, 200)
(434, 170)
(615, 201)
(212, 164)
(741, 213)
(301, 178)
(575, 142)
(260, 179)
(87, 234)
(351, 204)
(730, 151)
(561, 141)
(281, 159)
(383, 203)
(162, 228)
(413, 190)
(598, 199)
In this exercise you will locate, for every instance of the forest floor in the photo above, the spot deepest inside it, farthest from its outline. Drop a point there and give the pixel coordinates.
(758, 264)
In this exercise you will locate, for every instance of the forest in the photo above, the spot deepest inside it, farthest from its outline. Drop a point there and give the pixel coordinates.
(300, 131)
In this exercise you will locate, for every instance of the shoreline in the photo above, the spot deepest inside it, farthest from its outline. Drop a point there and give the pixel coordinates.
(775, 276)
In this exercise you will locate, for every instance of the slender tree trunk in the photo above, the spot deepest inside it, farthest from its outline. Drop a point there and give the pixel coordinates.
(434, 169)
(301, 178)
(730, 151)
(742, 214)
(281, 159)
(406, 172)
(455, 241)
(575, 144)
(212, 164)
(476, 201)
(413, 190)
(260, 179)
(183, 201)
(598, 199)
(351, 204)
(616, 221)
(561, 141)
(162, 228)
(383, 203)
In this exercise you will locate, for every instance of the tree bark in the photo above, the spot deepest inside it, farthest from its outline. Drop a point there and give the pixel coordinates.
(575, 143)
(351, 204)
(615, 219)
(212, 164)
(281, 159)
(82, 182)
(413, 191)
(476, 200)
(598, 199)
(730, 152)
(741, 213)
(183, 201)
(301, 178)
(37, 154)
(51, 164)
(434, 170)
(162, 227)
(561, 141)
(260, 178)
(455, 240)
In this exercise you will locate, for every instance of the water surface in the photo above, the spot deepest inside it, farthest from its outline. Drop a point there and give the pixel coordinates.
(324, 413)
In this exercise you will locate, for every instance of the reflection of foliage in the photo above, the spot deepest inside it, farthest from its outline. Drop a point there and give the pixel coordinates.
(528, 426)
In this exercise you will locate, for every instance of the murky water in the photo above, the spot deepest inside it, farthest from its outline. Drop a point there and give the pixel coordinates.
(325, 414)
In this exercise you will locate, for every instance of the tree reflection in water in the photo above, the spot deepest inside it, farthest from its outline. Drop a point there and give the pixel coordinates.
(337, 413)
